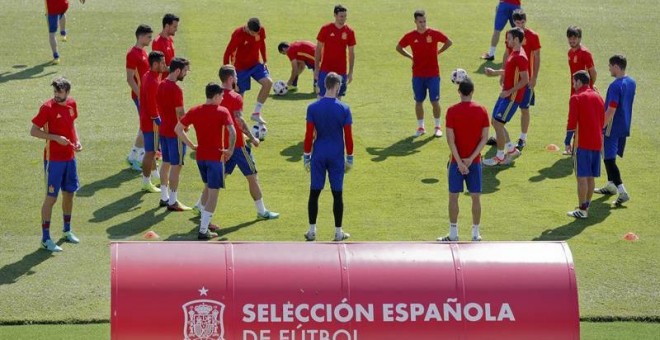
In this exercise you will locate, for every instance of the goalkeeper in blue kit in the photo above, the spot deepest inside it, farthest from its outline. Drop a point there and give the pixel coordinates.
(328, 132)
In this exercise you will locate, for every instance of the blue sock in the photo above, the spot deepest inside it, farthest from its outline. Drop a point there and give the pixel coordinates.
(584, 205)
(45, 231)
(63, 32)
(67, 223)
(56, 55)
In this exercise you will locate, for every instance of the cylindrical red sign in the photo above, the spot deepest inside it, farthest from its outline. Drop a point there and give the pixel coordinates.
(343, 291)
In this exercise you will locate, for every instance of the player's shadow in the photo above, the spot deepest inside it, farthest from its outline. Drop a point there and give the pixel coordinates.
(482, 68)
(114, 181)
(192, 234)
(10, 273)
(561, 168)
(293, 152)
(598, 212)
(116, 208)
(295, 96)
(36, 71)
(137, 225)
(404, 147)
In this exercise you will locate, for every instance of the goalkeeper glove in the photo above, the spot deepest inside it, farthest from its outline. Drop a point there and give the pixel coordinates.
(307, 161)
(349, 163)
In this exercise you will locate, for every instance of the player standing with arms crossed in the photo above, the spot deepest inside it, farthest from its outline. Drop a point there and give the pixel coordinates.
(514, 86)
(150, 119)
(301, 54)
(333, 40)
(328, 130)
(210, 120)
(137, 64)
(245, 46)
(423, 42)
(618, 118)
(170, 108)
(55, 123)
(579, 59)
(586, 117)
(467, 132)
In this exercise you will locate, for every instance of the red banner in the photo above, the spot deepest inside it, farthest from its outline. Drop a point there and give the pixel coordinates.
(317, 291)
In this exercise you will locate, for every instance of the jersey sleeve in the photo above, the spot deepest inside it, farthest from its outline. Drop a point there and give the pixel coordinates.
(322, 35)
(449, 119)
(131, 63)
(522, 63)
(571, 125)
(226, 117)
(535, 42)
(485, 119)
(405, 41)
(231, 49)
(177, 97)
(188, 118)
(74, 106)
(441, 37)
(351, 38)
(310, 116)
(348, 119)
(613, 95)
(588, 59)
(262, 44)
(42, 117)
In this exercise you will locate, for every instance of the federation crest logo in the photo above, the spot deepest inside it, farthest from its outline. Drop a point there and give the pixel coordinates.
(257, 38)
(203, 319)
(51, 189)
(429, 39)
(575, 60)
(344, 36)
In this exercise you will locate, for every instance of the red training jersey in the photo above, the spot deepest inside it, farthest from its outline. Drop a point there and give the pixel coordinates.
(243, 49)
(233, 102)
(513, 2)
(467, 119)
(169, 97)
(530, 44)
(165, 45)
(424, 48)
(586, 116)
(516, 62)
(138, 61)
(335, 42)
(57, 6)
(578, 60)
(58, 120)
(302, 50)
(209, 122)
(149, 100)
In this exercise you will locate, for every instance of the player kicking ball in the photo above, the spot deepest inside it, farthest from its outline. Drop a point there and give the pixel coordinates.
(328, 130)
(209, 120)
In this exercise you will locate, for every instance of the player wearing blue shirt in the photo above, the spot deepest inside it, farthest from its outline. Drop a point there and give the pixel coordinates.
(328, 131)
(618, 116)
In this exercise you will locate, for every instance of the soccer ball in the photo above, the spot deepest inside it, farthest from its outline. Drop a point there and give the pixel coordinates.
(280, 88)
(458, 75)
(259, 131)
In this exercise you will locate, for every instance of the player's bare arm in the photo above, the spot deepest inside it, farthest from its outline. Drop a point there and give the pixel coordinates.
(238, 116)
(403, 52)
(180, 131)
(351, 63)
(40, 133)
(445, 46)
(130, 79)
(317, 59)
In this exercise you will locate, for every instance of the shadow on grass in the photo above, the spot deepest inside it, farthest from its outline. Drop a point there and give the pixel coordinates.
(295, 96)
(114, 181)
(598, 212)
(293, 152)
(482, 68)
(137, 225)
(192, 234)
(402, 148)
(561, 168)
(36, 71)
(119, 207)
(489, 173)
(12, 272)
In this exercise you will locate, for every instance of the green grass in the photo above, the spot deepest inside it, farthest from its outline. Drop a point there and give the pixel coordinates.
(397, 190)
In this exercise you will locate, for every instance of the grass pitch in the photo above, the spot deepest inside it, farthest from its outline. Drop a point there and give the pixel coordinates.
(397, 190)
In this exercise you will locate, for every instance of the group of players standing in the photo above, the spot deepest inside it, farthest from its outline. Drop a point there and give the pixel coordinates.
(221, 129)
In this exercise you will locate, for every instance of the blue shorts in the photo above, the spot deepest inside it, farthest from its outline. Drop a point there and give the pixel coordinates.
(61, 175)
(587, 163)
(150, 141)
(421, 85)
(173, 150)
(613, 146)
(333, 166)
(53, 20)
(137, 105)
(212, 173)
(257, 72)
(321, 84)
(472, 180)
(242, 157)
(504, 13)
(504, 110)
(528, 99)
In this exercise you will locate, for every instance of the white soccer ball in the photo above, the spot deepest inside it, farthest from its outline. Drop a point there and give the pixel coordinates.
(280, 88)
(458, 75)
(259, 131)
